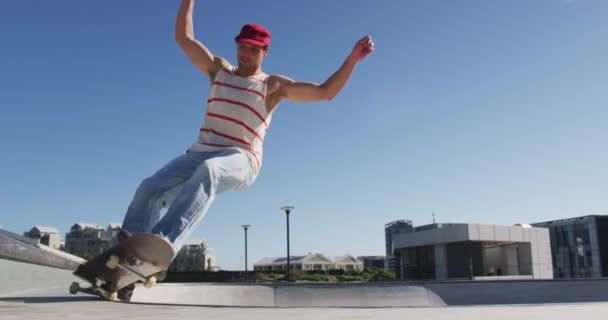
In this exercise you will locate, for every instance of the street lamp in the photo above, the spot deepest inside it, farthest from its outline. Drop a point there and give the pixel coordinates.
(287, 210)
(246, 226)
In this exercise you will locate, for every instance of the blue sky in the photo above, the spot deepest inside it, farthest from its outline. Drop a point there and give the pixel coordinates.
(481, 111)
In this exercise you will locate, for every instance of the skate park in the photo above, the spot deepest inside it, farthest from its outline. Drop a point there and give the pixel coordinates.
(463, 113)
(35, 279)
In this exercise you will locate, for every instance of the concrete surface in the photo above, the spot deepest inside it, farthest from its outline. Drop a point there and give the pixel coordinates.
(79, 309)
(29, 291)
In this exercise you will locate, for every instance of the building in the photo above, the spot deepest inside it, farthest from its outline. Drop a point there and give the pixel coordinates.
(473, 251)
(346, 263)
(88, 240)
(195, 255)
(47, 236)
(310, 262)
(391, 230)
(372, 261)
(579, 246)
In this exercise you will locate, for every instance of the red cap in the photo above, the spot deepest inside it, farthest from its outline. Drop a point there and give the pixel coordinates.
(254, 34)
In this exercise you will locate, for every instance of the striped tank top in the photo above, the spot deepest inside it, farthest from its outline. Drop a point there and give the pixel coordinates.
(236, 116)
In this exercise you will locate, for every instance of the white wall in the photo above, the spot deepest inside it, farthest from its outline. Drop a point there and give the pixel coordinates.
(540, 265)
(541, 254)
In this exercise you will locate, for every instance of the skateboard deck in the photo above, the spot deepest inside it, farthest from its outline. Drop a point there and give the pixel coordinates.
(138, 258)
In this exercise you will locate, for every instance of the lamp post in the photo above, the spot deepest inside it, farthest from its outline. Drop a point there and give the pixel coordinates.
(287, 210)
(245, 227)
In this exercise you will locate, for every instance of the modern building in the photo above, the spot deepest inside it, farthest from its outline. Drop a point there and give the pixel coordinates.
(88, 240)
(48, 236)
(472, 251)
(390, 231)
(579, 246)
(372, 261)
(195, 255)
(310, 262)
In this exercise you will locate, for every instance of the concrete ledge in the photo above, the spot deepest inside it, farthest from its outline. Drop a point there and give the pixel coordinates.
(206, 295)
(360, 295)
(14, 247)
(297, 295)
(502, 278)
(421, 294)
(521, 292)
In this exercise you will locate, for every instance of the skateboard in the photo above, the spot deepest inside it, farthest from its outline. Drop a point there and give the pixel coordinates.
(140, 257)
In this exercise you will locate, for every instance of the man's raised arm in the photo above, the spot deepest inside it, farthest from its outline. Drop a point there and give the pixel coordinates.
(306, 91)
(200, 56)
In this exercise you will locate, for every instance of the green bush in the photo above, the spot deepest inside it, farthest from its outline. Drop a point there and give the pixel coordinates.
(315, 277)
(378, 274)
(276, 276)
(352, 273)
(347, 278)
(336, 272)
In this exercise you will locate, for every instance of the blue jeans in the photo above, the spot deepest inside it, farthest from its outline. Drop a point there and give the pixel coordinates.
(186, 186)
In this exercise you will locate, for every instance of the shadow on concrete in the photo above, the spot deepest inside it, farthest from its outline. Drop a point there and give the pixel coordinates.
(521, 292)
(37, 300)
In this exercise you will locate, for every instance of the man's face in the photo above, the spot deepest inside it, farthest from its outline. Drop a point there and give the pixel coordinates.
(250, 55)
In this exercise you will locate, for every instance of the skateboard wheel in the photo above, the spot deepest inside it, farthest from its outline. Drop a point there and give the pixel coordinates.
(99, 282)
(113, 296)
(112, 262)
(150, 282)
(74, 287)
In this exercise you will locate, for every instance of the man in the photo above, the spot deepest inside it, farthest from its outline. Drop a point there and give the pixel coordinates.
(228, 153)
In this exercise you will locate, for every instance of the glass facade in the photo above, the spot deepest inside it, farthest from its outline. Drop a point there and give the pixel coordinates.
(577, 247)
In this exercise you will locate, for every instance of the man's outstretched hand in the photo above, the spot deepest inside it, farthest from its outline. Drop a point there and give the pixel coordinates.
(362, 49)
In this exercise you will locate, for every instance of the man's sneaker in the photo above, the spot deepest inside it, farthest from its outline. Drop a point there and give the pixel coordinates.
(123, 235)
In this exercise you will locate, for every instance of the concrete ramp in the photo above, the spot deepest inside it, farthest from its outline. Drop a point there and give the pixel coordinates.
(296, 295)
(26, 279)
(356, 295)
(206, 295)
